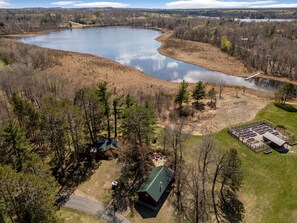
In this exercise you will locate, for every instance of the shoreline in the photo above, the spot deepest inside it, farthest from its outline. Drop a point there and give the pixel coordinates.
(221, 63)
(44, 32)
(32, 34)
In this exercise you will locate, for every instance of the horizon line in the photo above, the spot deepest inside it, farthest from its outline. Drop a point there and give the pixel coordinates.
(260, 8)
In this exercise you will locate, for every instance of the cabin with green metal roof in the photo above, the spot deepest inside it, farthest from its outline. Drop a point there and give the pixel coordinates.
(105, 148)
(158, 181)
(106, 144)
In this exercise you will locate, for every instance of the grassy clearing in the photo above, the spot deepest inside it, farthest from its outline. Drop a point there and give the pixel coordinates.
(279, 117)
(99, 185)
(73, 216)
(269, 190)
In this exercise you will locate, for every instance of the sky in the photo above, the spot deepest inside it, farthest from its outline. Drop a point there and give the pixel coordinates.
(166, 4)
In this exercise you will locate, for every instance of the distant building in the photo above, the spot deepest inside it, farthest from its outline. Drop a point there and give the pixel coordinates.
(151, 191)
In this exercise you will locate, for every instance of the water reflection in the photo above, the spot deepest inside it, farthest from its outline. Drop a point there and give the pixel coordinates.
(137, 48)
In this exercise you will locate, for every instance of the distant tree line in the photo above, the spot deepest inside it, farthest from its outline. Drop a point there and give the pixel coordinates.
(30, 20)
(235, 13)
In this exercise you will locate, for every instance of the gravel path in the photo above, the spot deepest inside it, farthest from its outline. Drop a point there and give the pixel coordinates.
(94, 208)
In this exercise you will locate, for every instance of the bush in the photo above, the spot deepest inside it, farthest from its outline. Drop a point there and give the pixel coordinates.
(226, 45)
(285, 107)
(6, 60)
(186, 111)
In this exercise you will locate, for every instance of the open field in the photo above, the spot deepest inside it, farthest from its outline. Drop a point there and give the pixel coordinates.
(87, 70)
(268, 192)
(99, 185)
(230, 110)
(73, 216)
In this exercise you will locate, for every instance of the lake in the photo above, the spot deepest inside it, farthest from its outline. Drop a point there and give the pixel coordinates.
(137, 48)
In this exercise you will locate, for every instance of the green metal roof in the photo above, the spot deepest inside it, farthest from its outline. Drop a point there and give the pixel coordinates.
(157, 182)
(106, 144)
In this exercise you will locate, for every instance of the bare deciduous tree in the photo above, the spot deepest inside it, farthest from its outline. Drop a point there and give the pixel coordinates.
(221, 88)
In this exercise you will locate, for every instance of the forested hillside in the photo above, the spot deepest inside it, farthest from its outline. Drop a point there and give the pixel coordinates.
(267, 47)
(237, 13)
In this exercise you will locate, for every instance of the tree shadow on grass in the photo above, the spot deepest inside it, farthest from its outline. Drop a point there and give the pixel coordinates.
(286, 107)
(77, 174)
(198, 106)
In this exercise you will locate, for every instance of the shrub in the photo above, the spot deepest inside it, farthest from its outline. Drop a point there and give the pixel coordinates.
(6, 60)
(285, 107)
(226, 45)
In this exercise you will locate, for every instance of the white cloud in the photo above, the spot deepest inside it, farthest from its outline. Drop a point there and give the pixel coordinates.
(139, 68)
(102, 4)
(225, 4)
(172, 65)
(289, 5)
(126, 58)
(4, 4)
(175, 75)
(63, 3)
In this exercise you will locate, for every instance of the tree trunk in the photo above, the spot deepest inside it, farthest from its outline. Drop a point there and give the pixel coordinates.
(75, 143)
(115, 119)
(88, 124)
(216, 174)
(108, 124)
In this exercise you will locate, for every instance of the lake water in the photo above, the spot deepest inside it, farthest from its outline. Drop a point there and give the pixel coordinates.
(136, 48)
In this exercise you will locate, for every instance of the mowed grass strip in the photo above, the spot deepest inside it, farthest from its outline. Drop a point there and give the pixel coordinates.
(73, 216)
(269, 190)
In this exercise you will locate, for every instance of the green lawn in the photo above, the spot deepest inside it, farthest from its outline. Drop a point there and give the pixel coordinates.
(269, 190)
